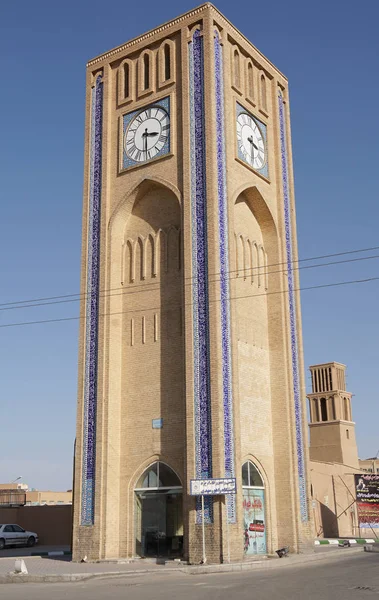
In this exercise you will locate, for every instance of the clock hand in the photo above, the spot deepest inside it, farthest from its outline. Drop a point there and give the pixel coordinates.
(144, 136)
(152, 133)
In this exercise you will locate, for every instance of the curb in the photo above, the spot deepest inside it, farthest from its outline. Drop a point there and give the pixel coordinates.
(294, 560)
(53, 553)
(337, 541)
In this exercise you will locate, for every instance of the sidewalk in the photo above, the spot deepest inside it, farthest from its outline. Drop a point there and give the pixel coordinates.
(61, 569)
(336, 541)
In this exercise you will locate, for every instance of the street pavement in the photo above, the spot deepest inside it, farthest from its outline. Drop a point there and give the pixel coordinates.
(61, 566)
(355, 576)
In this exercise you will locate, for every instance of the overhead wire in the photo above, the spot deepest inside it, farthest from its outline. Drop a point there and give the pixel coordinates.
(79, 295)
(263, 270)
(312, 287)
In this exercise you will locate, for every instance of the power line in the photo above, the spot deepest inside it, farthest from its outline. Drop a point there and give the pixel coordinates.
(147, 289)
(312, 287)
(84, 294)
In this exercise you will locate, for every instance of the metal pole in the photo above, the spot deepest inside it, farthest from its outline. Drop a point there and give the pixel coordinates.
(227, 526)
(203, 528)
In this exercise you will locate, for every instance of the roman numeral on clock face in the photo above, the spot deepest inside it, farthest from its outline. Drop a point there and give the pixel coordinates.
(147, 134)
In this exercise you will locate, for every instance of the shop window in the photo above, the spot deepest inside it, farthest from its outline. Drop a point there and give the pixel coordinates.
(251, 476)
(158, 475)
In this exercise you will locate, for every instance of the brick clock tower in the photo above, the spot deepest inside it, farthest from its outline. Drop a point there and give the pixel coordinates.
(190, 358)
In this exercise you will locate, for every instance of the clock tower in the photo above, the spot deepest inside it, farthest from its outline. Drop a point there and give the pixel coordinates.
(190, 354)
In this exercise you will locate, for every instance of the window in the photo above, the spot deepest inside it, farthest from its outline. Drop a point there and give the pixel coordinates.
(126, 80)
(18, 529)
(324, 410)
(263, 92)
(8, 529)
(158, 475)
(146, 72)
(333, 409)
(250, 80)
(251, 476)
(346, 409)
(236, 64)
(167, 62)
(317, 410)
(347, 434)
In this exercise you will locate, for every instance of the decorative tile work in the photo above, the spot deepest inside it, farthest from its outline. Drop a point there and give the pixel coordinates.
(126, 119)
(92, 309)
(202, 398)
(292, 313)
(224, 277)
(263, 128)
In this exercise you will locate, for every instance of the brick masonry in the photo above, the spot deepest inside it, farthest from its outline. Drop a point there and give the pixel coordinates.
(192, 312)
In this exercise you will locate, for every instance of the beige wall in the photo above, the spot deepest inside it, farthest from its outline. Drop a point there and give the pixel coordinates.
(145, 363)
(53, 524)
(48, 497)
(333, 500)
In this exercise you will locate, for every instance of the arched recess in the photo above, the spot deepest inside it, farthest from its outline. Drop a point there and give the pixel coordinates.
(158, 512)
(126, 80)
(260, 346)
(250, 81)
(236, 68)
(144, 333)
(254, 510)
(263, 91)
(252, 308)
(166, 63)
(146, 73)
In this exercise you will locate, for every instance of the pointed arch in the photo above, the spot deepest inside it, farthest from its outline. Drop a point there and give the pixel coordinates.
(166, 63)
(130, 262)
(236, 67)
(250, 84)
(125, 83)
(146, 72)
(263, 91)
(122, 211)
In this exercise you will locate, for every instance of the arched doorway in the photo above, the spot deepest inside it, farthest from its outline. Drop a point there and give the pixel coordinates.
(159, 512)
(254, 525)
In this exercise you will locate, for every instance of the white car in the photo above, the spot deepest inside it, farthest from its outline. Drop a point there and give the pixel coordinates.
(14, 535)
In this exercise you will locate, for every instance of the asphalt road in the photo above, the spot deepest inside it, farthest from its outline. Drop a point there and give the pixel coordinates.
(355, 577)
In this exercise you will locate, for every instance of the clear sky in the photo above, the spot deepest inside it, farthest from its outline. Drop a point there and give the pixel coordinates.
(329, 50)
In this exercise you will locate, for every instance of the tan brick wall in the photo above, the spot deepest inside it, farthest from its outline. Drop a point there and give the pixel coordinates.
(145, 339)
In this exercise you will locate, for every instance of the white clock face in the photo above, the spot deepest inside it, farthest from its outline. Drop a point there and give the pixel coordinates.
(147, 133)
(250, 141)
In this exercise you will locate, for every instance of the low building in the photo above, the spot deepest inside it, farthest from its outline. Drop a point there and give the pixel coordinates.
(369, 465)
(334, 462)
(38, 498)
(19, 494)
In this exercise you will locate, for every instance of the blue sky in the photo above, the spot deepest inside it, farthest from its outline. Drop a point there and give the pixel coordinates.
(329, 52)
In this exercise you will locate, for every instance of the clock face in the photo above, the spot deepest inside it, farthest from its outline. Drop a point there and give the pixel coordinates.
(146, 134)
(250, 141)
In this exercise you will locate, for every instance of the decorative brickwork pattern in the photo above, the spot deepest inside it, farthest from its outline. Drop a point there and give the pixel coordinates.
(292, 314)
(202, 399)
(92, 308)
(224, 277)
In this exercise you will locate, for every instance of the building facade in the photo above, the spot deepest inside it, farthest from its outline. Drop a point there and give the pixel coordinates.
(334, 464)
(190, 357)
